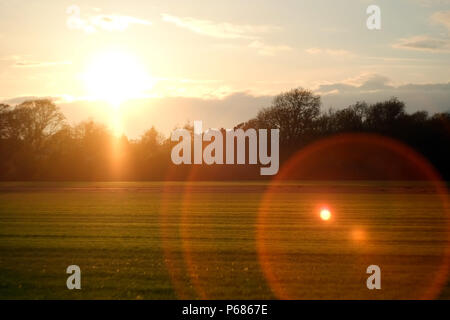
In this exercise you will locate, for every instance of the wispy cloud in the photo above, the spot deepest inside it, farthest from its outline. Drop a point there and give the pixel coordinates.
(329, 52)
(56, 99)
(442, 17)
(223, 30)
(20, 61)
(424, 43)
(39, 64)
(91, 23)
(226, 30)
(268, 50)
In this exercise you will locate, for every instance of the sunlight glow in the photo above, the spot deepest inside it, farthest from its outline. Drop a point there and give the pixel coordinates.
(115, 77)
(358, 234)
(325, 214)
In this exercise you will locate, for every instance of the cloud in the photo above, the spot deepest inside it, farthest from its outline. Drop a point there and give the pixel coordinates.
(225, 30)
(20, 61)
(18, 100)
(39, 64)
(268, 50)
(442, 17)
(91, 23)
(228, 111)
(329, 52)
(222, 30)
(165, 113)
(424, 43)
(238, 107)
(116, 22)
(363, 83)
(431, 3)
(434, 97)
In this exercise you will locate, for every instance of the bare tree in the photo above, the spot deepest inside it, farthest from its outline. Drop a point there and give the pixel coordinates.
(34, 121)
(293, 112)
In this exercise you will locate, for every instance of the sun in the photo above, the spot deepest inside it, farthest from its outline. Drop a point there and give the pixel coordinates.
(115, 77)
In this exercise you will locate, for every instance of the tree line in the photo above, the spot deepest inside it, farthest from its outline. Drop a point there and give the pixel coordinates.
(37, 143)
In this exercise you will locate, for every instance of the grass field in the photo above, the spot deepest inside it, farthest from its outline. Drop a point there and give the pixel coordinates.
(222, 240)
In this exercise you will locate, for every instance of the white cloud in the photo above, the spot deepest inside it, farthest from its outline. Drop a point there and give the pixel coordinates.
(91, 23)
(223, 30)
(116, 22)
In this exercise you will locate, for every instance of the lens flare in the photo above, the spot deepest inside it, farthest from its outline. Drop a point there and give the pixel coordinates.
(385, 220)
(325, 214)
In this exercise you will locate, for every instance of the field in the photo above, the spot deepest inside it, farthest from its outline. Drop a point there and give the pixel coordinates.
(242, 240)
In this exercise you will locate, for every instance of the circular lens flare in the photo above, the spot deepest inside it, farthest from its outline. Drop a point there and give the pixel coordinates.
(385, 218)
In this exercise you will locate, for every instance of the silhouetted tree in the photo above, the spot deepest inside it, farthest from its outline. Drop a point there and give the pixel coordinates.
(382, 116)
(293, 112)
(37, 144)
(25, 131)
(36, 120)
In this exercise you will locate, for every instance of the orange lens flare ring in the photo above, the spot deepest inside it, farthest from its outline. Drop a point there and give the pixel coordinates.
(191, 272)
(275, 258)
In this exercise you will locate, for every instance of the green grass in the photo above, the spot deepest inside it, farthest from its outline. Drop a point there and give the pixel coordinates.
(200, 240)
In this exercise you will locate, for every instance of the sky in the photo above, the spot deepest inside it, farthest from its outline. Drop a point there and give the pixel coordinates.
(133, 64)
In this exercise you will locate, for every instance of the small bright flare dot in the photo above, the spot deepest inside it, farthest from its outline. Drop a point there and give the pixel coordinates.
(325, 214)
